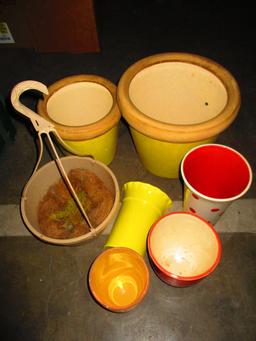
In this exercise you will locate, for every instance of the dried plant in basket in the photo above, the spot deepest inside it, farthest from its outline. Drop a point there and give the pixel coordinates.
(58, 214)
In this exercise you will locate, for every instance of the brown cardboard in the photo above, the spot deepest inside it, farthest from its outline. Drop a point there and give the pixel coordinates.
(51, 26)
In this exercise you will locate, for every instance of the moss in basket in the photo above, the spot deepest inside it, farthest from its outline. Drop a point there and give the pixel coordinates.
(70, 212)
(58, 214)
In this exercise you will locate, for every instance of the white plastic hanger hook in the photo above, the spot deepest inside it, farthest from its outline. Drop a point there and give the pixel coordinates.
(40, 124)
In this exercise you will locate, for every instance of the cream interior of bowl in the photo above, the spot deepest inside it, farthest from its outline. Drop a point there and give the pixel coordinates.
(79, 104)
(184, 245)
(178, 93)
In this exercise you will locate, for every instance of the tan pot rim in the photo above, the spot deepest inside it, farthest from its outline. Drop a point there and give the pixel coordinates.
(175, 132)
(88, 131)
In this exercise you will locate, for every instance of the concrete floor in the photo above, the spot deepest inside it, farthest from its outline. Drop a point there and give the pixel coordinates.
(45, 295)
(43, 288)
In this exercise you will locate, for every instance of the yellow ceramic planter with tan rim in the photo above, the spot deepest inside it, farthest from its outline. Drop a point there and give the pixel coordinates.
(84, 111)
(174, 102)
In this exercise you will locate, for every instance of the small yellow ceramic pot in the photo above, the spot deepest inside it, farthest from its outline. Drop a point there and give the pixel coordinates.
(84, 111)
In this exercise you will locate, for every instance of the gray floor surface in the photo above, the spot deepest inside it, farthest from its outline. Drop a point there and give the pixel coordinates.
(45, 292)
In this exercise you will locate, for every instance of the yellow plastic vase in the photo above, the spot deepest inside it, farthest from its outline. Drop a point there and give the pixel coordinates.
(142, 205)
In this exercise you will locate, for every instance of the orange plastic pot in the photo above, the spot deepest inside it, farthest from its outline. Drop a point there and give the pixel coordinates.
(119, 279)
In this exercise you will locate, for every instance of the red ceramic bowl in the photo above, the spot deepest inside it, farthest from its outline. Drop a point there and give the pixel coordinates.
(183, 248)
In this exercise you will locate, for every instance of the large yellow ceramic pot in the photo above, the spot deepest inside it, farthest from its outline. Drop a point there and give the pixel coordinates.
(84, 111)
(174, 102)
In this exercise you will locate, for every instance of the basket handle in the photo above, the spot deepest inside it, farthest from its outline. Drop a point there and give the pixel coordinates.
(42, 126)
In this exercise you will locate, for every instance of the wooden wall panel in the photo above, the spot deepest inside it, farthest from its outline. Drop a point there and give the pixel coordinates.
(63, 25)
(55, 25)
